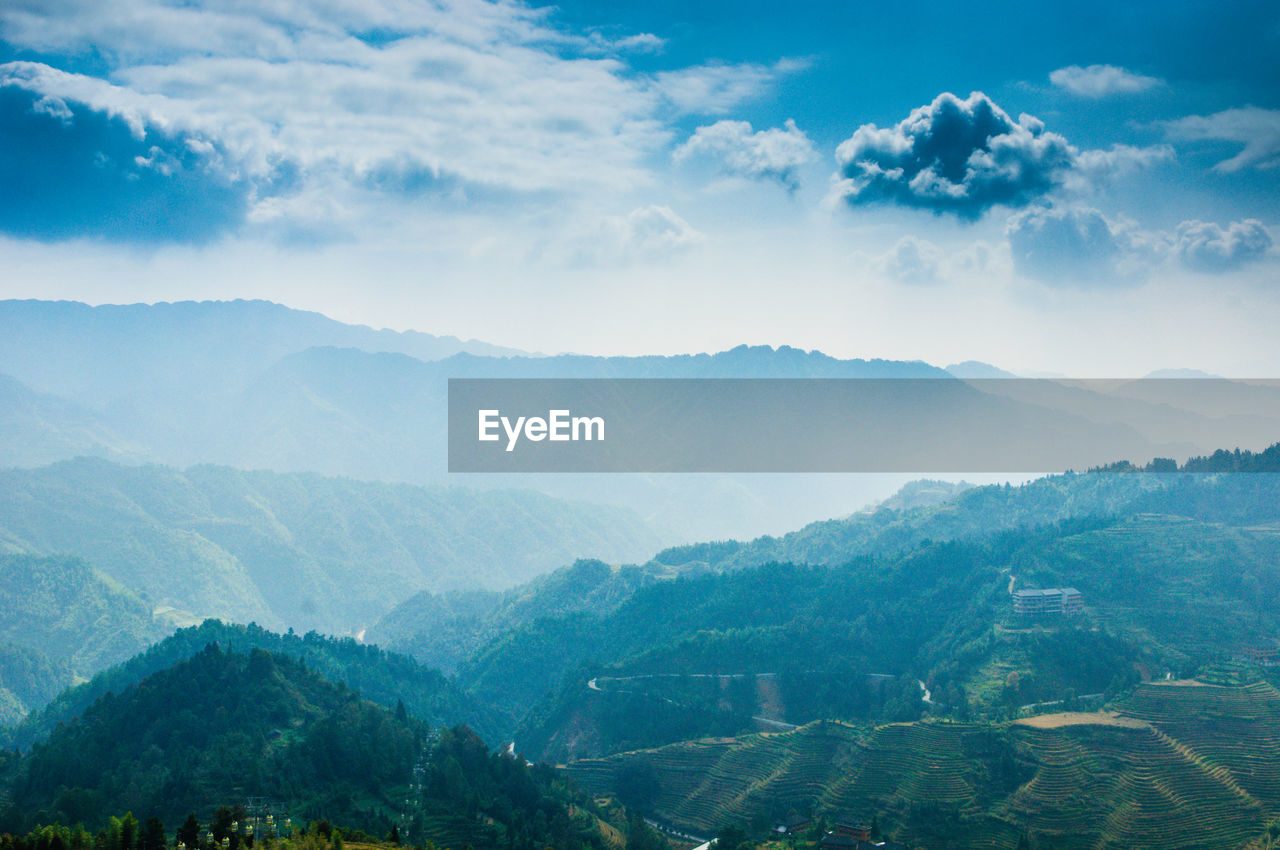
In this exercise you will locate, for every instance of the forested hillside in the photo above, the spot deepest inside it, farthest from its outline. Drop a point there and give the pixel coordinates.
(59, 619)
(382, 677)
(223, 726)
(432, 626)
(212, 729)
(1176, 571)
(443, 629)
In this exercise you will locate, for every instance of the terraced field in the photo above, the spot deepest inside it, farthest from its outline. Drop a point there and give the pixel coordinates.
(1177, 767)
(909, 761)
(1120, 787)
(706, 784)
(1232, 731)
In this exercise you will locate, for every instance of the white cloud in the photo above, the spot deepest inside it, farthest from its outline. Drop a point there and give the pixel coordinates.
(917, 261)
(1208, 247)
(1098, 81)
(644, 42)
(1097, 166)
(1072, 246)
(773, 154)
(1257, 129)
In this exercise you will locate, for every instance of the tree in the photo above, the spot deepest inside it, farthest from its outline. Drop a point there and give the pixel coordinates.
(189, 832)
(153, 837)
(637, 785)
(731, 838)
(640, 836)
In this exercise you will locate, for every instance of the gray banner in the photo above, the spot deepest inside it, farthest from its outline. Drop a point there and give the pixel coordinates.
(848, 425)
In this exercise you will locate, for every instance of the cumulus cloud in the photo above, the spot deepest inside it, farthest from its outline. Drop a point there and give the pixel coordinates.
(958, 156)
(367, 99)
(1079, 246)
(1099, 81)
(772, 154)
(1208, 247)
(1068, 246)
(1257, 129)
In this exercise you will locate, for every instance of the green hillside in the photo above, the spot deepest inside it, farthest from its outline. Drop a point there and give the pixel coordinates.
(382, 677)
(297, 551)
(209, 731)
(28, 679)
(72, 612)
(443, 629)
(223, 727)
(1164, 592)
(974, 512)
(1170, 769)
(60, 619)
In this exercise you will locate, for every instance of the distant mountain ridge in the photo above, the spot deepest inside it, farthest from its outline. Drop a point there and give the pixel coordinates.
(257, 385)
(99, 355)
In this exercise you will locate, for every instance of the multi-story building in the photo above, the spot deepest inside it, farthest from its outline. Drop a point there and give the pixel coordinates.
(1048, 600)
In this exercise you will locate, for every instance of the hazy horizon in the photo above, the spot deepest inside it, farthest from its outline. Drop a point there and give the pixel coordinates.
(1090, 192)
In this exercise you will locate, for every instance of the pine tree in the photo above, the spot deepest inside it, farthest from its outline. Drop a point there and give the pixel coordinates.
(189, 833)
(153, 837)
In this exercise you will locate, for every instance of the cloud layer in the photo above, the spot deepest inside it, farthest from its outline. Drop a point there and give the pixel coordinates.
(366, 102)
(648, 234)
(958, 156)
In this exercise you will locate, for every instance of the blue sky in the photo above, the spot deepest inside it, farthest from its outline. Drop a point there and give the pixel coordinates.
(1086, 188)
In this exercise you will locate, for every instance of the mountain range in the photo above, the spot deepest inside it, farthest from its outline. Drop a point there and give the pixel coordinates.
(256, 385)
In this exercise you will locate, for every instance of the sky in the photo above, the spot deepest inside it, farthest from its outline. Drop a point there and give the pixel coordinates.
(1081, 188)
